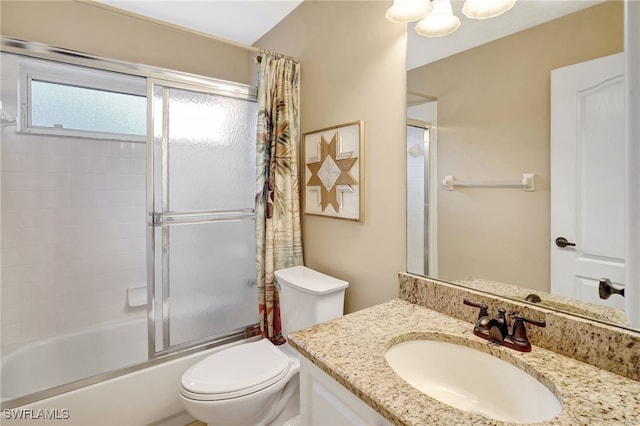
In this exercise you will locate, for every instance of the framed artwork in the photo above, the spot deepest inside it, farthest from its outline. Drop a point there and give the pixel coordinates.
(333, 172)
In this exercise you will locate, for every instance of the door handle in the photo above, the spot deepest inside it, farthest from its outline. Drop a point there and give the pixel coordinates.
(563, 242)
(605, 289)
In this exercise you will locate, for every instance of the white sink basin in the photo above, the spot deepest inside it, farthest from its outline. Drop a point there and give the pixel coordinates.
(473, 381)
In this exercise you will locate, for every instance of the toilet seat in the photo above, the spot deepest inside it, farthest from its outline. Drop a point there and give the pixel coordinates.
(236, 372)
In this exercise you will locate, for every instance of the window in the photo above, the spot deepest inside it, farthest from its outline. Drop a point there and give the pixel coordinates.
(68, 100)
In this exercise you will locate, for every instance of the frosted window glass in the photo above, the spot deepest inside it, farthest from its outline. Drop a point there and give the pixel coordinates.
(211, 151)
(212, 273)
(80, 108)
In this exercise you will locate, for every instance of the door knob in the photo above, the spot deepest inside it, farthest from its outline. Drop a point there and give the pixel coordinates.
(563, 242)
(606, 289)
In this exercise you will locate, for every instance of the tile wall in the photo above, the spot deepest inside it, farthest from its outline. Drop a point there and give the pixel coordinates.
(72, 233)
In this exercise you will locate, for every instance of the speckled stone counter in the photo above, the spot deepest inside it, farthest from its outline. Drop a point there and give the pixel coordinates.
(351, 350)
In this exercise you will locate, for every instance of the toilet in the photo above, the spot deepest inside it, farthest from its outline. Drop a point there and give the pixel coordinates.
(257, 383)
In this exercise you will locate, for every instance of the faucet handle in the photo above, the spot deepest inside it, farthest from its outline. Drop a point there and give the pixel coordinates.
(519, 333)
(484, 309)
(502, 322)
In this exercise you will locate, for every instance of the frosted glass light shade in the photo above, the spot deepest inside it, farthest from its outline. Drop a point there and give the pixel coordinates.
(440, 22)
(483, 9)
(403, 11)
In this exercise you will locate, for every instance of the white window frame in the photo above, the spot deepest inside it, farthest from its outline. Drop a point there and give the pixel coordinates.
(90, 78)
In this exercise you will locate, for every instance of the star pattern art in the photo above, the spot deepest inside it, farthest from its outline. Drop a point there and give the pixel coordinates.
(331, 172)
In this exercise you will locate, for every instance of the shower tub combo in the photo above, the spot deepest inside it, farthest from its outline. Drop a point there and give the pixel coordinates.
(171, 211)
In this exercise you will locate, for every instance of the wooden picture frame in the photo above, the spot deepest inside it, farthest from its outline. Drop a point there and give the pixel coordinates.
(333, 172)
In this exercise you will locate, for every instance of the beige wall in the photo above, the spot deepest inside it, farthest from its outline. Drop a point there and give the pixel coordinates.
(493, 123)
(353, 68)
(102, 31)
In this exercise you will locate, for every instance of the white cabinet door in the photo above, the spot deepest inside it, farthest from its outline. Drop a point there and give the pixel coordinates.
(325, 402)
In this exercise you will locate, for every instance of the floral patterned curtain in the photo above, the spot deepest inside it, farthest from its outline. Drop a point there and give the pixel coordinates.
(277, 201)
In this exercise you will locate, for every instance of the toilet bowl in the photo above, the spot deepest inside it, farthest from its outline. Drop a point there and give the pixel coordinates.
(248, 384)
(257, 383)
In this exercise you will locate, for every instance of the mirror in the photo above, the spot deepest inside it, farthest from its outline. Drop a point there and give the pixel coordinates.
(482, 117)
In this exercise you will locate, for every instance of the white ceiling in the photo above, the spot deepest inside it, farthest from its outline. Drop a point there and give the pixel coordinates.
(245, 21)
(242, 21)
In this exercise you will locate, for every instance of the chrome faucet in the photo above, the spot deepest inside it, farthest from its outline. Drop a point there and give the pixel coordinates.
(496, 329)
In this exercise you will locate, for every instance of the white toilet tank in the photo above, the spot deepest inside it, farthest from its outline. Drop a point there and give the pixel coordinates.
(308, 297)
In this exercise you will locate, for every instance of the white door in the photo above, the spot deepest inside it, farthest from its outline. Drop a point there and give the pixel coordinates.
(587, 178)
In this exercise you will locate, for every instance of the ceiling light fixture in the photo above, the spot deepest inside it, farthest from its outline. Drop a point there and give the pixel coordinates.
(403, 11)
(440, 22)
(483, 9)
(436, 17)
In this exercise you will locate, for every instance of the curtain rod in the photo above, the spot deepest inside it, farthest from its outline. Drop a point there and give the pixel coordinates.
(276, 54)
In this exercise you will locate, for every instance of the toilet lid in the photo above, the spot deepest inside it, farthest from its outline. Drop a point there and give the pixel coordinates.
(237, 371)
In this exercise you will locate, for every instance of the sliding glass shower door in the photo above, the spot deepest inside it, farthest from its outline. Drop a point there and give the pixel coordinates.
(201, 209)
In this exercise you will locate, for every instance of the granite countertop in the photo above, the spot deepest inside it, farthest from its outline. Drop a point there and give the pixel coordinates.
(351, 350)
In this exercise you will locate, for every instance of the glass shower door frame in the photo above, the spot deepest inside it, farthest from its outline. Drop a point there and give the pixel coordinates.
(160, 219)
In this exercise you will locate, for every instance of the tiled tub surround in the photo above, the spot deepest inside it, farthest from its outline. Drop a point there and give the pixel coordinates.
(73, 234)
(604, 346)
(73, 229)
(351, 350)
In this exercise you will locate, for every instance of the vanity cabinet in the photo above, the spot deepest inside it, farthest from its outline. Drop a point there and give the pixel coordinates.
(323, 401)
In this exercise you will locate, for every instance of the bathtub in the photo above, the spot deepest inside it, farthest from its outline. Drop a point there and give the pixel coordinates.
(66, 358)
(143, 396)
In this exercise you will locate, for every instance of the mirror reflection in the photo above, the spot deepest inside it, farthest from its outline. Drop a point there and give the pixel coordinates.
(491, 181)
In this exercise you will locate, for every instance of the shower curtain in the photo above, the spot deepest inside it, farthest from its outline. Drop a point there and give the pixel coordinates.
(277, 201)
